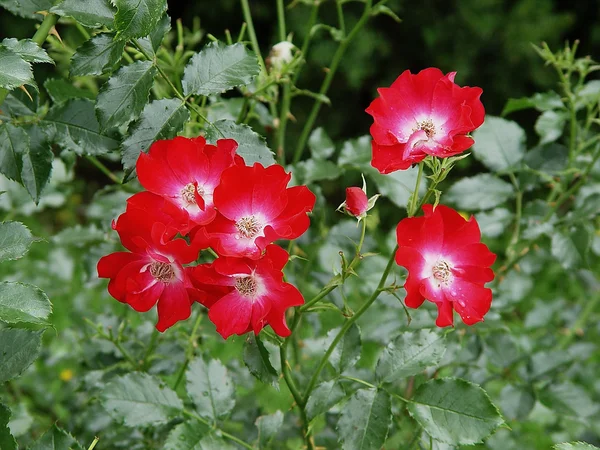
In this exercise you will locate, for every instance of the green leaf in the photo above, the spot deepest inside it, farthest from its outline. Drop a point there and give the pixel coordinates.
(454, 411)
(347, 353)
(160, 119)
(256, 358)
(138, 399)
(567, 247)
(23, 303)
(542, 101)
(494, 223)
(483, 191)
(516, 402)
(320, 144)
(74, 127)
(574, 446)
(97, 55)
(14, 71)
(549, 158)
(27, 8)
(7, 441)
(124, 95)
(312, 170)
(151, 43)
(15, 239)
(91, 13)
(219, 68)
(323, 398)
(24, 160)
(18, 349)
(409, 354)
(568, 399)
(549, 126)
(268, 427)
(27, 49)
(137, 18)
(60, 90)
(18, 103)
(211, 389)
(365, 420)
(79, 236)
(382, 9)
(195, 436)
(251, 146)
(499, 144)
(56, 439)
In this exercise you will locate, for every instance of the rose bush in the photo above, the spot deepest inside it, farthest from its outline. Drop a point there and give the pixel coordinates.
(206, 294)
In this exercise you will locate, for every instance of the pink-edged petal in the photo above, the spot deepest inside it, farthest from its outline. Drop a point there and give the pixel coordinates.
(390, 158)
(231, 314)
(431, 290)
(173, 305)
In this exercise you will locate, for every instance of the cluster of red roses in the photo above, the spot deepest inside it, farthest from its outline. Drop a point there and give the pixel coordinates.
(202, 196)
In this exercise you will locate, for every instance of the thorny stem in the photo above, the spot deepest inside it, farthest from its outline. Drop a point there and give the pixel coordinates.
(337, 57)
(231, 437)
(39, 38)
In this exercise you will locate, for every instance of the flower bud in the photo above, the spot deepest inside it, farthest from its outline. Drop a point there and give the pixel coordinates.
(280, 55)
(357, 203)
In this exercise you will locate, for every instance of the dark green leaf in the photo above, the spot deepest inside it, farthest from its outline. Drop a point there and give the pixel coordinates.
(56, 439)
(91, 13)
(268, 427)
(549, 126)
(568, 399)
(23, 303)
(549, 158)
(219, 68)
(347, 352)
(542, 101)
(18, 103)
(139, 399)
(516, 402)
(547, 362)
(15, 239)
(27, 8)
(323, 398)
(194, 436)
(7, 441)
(499, 143)
(60, 90)
(18, 349)
(251, 146)
(365, 420)
(574, 446)
(312, 170)
(28, 50)
(482, 191)
(409, 354)
(151, 44)
(124, 95)
(97, 55)
(321, 145)
(27, 161)
(211, 389)
(454, 411)
(494, 223)
(14, 71)
(256, 358)
(161, 119)
(567, 247)
(502, 349)
(137, 18)
(74, 127)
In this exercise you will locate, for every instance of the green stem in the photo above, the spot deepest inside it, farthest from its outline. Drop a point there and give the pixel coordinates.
(105, 170)
(589, 308)
(93, 444)
(252, 34)
(125, 353)
(231, 437)
(340, 13)
(337, 58)
(314, 13)
(412, 210)
(324, 292)
(150, 349)
(358, 380)
(281, 20)
(189, 353)
(348, 324)
(39, 38)
(283, 119)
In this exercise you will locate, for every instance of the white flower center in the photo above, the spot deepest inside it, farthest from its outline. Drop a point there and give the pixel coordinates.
(441, 272)
(248, 226)
(162, 272)
(188, 193)
(427, 126)
(246, 286)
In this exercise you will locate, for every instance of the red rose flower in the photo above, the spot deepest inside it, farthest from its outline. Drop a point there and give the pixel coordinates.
(244, 294)
(152, 271)
(186, 172)
(420, 115)
(356, 201)
(255, 208)
(447, 264)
